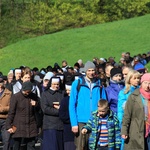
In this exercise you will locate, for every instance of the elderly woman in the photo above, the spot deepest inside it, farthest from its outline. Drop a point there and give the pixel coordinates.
(131, 84)
(52, 125)
(136, 120)
(21, 120)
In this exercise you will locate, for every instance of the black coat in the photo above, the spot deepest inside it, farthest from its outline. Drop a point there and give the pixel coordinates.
(51, 115)
(22, 115)
(64, 116)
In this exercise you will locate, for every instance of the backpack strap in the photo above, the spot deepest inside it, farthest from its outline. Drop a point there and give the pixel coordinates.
(81, 81)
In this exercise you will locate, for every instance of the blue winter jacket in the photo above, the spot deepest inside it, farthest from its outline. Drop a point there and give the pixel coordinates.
(122, 99)
(84, 101)
(112, 94)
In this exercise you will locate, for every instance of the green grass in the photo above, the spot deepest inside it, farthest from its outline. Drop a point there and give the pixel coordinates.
(102, 40)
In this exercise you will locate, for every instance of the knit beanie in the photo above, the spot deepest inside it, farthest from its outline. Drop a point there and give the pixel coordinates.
(27, 86)
(145, 77)
(89, 65)
(115, 71)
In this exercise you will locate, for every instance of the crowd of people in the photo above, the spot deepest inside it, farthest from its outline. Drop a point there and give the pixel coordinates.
(97, 105)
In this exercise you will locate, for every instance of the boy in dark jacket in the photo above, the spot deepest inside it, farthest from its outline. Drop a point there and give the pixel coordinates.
(104, 128)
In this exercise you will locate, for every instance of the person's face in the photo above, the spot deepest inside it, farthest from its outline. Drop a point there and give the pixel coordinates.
(26, 92)
(90, 73)
(135, 80)
(18, 75)
(146, 86)
(123, 55)
(64, 64)
(122, 61)
(26, 77)
(108, 71)
(102, 111)
(45, 82)
(55, 86)
(101, 70)
(143, 56)
(111, 60)
(127, 55)
(70, 71)
(125, 72)
(10, 79)
(117, 77)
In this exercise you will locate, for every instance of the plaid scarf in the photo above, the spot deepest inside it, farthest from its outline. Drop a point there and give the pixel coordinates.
(146, 102)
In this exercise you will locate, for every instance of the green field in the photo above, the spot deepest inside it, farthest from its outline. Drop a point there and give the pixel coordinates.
(102, 40)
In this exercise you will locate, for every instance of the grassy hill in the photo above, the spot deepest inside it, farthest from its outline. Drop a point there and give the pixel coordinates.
(102, 40)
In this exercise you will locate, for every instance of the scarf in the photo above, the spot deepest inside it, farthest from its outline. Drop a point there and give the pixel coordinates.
(146, 102)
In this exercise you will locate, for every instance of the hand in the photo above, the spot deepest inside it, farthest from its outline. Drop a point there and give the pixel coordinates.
(56, 106)
(124, 136)
(75, 129)
(10, 130)
(33, 103)
(84, 131)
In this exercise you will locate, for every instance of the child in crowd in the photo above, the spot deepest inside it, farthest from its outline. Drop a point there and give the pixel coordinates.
(104, 128)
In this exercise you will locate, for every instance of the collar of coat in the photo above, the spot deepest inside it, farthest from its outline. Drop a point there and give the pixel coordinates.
(110, 113)
(136, 92)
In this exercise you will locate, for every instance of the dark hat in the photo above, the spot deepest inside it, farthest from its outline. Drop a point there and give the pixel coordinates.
(115, 71)
(27, 86)
(4, 77)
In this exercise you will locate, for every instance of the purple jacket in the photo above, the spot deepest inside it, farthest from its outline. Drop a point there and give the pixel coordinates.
(112, 94)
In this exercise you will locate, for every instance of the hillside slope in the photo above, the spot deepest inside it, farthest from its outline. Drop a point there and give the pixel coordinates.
(102, 40)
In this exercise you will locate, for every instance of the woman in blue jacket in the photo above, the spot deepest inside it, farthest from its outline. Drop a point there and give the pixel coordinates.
(116, 84)
(131, 83)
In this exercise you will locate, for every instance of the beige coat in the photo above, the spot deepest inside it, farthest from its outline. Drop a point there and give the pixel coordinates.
(4, 103)
(133, 122)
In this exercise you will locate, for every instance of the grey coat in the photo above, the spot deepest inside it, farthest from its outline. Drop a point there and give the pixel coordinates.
(133, 122)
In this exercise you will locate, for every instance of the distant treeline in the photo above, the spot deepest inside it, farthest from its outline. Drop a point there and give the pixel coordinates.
(22, 19)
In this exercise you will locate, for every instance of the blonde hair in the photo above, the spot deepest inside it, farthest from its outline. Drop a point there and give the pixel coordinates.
(10, 74)
(130, 74)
